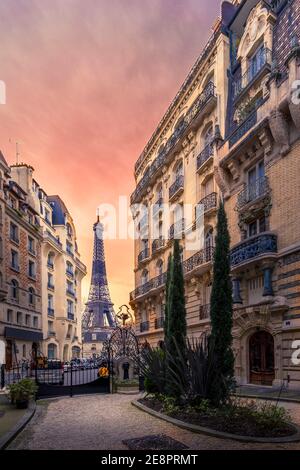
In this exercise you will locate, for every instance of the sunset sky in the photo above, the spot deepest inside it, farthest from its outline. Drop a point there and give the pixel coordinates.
(87, 83)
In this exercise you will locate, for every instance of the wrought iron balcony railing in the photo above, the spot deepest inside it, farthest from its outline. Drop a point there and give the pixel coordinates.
(176, 187)
(245, 126)
(143, 255)
(204, 312)
(205, 155)
(198, 259)
(265, 59)
(209, 202)
(70, 292)
(159, 323)
(48, 235)
(263, 244)
(158, 244)
(144, 326)
(198, 105)
(253, 192)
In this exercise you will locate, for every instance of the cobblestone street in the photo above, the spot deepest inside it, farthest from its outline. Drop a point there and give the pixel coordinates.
(103, 421)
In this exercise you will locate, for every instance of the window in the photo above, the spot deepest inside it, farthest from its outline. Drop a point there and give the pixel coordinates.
(50, 260)
(256, 62)
(94, 337)
(15, 290)
(50, 305)
(27, 319)
(69, 248)
(52, 351)
(70, 309)
(24, 351)
(19, 318)
(31, 245)
(70, 269)
(179, 171)
(50, 281)
(70, 288)
(159, 267)
(144, 277)
(208, 136)
(15, 260)
(257, 226)
(255, 289)
(47, 216)
(208, 187)
(50, 327)
(35, 322)
(69, 230)
(9, 316)
(14, 232)
(31, 269)
(31, 296)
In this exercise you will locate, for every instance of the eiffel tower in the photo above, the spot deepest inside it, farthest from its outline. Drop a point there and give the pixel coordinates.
(99, 317)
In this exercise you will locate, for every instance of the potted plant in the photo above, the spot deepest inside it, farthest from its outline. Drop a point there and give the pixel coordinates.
(22, 392)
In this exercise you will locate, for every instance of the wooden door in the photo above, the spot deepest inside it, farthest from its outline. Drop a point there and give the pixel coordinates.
(261, 351)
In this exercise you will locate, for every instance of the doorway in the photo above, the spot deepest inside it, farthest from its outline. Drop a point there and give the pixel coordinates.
(261, 352)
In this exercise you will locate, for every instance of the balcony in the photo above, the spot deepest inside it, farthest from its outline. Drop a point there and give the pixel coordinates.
(51, 334)
(205, 156)
(198, 259)
(144, 326)
(204, 312)
(209, 202)
(50, 265)
(70, 273)
(144, 255)
(256, 247)
(159, 323)
(50, 312)
(252, 74)
(253, 192)
(50, 286)
(152, 284)
(245, 127)
(157, 245)
(49, 237)
(176, 188)
(199, 106)
(177, 230)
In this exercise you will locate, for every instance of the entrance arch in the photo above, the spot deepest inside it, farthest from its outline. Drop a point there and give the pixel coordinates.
(261, 358)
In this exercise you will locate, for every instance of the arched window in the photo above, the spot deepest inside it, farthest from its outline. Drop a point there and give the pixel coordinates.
(208, 136)
(159, 267)
(145, 275)
(15, 290)
(31, 296)
(52, 351)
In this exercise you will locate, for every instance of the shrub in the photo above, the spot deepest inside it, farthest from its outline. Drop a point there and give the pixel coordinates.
(23, 390)
(151, 364)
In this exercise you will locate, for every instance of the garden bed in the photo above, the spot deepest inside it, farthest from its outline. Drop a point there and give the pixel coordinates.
(244, 419)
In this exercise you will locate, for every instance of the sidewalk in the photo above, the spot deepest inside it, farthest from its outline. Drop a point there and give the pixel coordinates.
(268, 393)
(11, 419)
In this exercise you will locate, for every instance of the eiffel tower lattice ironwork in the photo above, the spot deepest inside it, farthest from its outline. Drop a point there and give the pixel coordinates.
(99, 316)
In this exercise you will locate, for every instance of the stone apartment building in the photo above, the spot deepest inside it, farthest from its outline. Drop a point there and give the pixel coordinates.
(61, 268)
(21, 283)
(238, 141)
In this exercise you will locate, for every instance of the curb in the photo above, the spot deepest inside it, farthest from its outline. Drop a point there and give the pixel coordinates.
(223, 435)
(10, 435)
(277, 399)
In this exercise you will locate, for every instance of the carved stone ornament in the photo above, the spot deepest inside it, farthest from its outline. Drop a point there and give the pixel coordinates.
(294, 106)
(280, 130)
(221, 181)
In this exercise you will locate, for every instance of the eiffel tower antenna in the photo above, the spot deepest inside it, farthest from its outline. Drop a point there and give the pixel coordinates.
(99, 316)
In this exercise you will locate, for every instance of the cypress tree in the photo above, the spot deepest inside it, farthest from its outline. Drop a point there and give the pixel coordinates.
(221, 306)
(176, 314)
(167, 306)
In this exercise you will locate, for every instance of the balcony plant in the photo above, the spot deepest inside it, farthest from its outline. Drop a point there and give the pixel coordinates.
(22, 392)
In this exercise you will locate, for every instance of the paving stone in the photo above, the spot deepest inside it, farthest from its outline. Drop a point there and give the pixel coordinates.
(102, 422)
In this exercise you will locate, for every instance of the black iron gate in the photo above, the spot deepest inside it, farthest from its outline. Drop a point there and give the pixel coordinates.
(55, 379)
